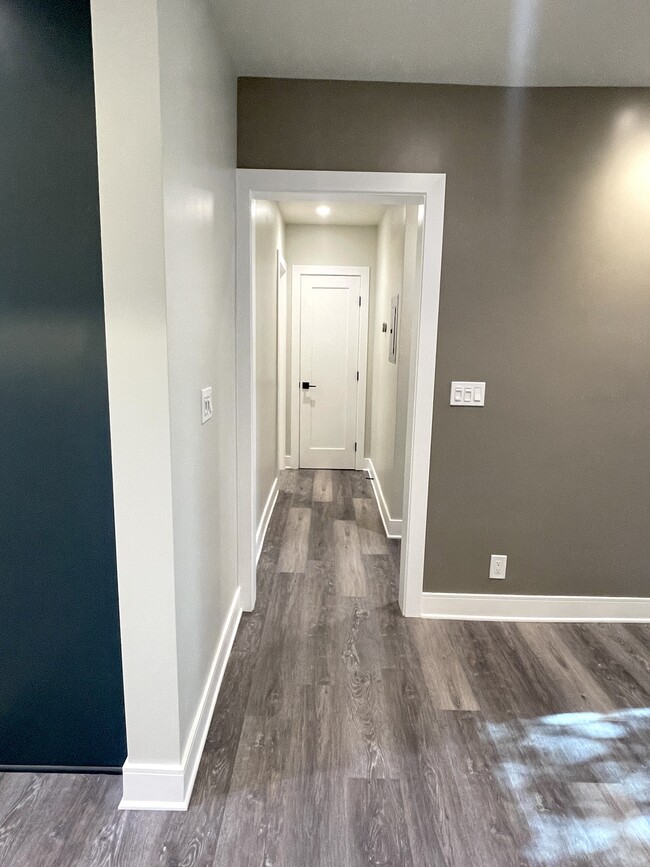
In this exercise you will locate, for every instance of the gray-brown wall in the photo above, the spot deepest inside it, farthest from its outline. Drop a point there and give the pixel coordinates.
(545, 295)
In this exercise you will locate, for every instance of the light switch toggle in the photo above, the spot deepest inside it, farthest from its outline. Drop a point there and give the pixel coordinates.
(467, 394)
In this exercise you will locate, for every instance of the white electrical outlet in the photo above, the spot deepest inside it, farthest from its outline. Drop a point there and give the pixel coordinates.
(498, 566)
(206, 404)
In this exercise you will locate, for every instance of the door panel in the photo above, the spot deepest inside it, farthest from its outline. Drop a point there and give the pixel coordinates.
(329, 352)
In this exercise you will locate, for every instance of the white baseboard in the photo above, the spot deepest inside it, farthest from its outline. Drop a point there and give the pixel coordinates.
(393, 526)
(497, 606)
(169, 787)
(266, 517)
(153, 787)
(290, 463)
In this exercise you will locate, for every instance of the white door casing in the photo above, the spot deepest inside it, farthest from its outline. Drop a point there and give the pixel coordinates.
(329, 370)
(282, 359)
(389, 188)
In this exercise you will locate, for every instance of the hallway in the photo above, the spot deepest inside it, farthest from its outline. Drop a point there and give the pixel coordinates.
(345, 734)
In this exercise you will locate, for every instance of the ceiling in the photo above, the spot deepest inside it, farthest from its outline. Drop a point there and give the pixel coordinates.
(499, 42)
(341, 213)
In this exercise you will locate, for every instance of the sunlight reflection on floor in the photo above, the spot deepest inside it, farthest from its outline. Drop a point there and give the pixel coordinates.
(582, 781)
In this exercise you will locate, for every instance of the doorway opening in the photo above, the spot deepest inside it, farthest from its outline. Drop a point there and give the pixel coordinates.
(337, 286)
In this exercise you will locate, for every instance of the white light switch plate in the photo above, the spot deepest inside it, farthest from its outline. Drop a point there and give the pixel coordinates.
(467, 394)
(206, 404)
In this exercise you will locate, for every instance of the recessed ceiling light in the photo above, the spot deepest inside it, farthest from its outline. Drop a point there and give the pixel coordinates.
(323, 210)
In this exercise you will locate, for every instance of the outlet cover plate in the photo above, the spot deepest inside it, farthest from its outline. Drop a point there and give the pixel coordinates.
(498, 564)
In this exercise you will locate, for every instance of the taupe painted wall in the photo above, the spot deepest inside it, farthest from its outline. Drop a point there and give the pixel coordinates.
(545, 295)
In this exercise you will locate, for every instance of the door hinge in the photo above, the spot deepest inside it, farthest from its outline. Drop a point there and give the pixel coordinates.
(355, 447)
(359, 300)
(357, 376)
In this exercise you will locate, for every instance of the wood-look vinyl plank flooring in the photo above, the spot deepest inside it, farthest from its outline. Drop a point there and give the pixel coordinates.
(322, 486)
(342, 506)
(348, 563)
(371, 531)
(377, 826)
(624, 674)
(320, 547)
(360, 486)
(444, 675)
(303, 485)
(293, 553)
(569, 677)
(346, 735)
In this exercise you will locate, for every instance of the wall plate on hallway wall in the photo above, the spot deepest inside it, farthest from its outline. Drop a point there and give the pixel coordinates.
(498, 564)
(206, 404)
(467, 394)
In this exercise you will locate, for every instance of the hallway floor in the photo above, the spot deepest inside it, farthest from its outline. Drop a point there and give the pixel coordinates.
(345, 734)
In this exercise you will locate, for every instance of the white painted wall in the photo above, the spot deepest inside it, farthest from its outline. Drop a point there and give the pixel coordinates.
(166, 102)
(269, 238)
(127, 96)
(411, 273)
(198, 90)
(323, 244)
(387, 409)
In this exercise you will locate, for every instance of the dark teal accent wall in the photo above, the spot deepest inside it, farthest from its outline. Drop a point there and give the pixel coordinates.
(61, 700)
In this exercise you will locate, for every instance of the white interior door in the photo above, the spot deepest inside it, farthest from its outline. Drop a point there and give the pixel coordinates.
(329, 364)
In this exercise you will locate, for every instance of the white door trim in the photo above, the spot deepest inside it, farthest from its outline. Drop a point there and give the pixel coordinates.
(363, 272)
(387, 188)
(282, 279)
